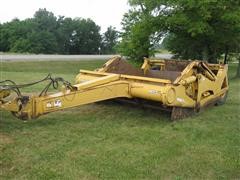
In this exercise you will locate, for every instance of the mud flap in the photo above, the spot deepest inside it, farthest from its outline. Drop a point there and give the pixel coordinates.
(180, 113)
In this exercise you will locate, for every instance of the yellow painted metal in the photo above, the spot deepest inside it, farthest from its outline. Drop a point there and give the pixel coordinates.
(97, 82)
(197, 85)
(146, 66)
(188, 71)
(105, 67)
(188, 80)
(94, 74)
(148, 63)
(4, 94)
(71, 99)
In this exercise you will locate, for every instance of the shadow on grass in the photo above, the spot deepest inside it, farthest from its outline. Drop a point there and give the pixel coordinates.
(111, 112)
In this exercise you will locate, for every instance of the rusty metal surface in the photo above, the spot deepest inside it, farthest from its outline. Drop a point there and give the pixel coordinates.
(171, 75)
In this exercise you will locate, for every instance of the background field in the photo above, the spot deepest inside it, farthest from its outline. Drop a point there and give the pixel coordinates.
(109, 140)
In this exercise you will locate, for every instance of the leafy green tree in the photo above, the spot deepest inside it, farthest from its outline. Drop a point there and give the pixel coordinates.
(238, 69)
(46, 33)
(64, 33)
(85, 38)
(110, 40)
(35, 35)
(45, 20)
(13, 31)
(196, 29)
(21, 45)
(4, 38)
(8, 34)
(137, 32)
(42, 42)
(43, 39)
(208, 28)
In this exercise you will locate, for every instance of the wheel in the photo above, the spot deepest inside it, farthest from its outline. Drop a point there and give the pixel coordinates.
(222, 99)
(21, 116)
(181, 113)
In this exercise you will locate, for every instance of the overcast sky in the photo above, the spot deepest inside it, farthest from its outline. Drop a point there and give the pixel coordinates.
(103, 12)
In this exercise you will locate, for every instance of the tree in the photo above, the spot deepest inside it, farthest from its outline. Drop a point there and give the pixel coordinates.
(14, 31)
(196, 29)
(136, 39)
(238, 69)
(64, 34)
(206, 29)
(110, 40)
(45, 20)
(4, 37)
(34, 35)
(43, 39)
(85, 38)
(8, 33)
(46, 33)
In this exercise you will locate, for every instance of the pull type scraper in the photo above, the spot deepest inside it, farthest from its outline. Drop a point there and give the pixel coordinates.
(183, 87)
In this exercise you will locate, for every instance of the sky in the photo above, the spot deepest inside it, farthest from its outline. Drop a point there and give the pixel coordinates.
(103, 12)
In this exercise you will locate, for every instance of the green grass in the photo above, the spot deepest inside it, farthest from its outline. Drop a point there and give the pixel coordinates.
(24, 72)
(163, 51)
(113, 141)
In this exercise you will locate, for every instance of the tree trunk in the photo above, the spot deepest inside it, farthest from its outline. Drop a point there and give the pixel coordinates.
(211, 56)
(238, 69)
(226, 55)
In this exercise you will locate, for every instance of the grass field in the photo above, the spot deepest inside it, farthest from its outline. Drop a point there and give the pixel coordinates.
(112, 141)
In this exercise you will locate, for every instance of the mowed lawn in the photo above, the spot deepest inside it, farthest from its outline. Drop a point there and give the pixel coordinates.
(115, 141)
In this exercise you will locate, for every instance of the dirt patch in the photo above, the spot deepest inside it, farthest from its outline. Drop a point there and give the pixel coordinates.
(172, 70)
(170, 75)
(120, 66)
(5, 139)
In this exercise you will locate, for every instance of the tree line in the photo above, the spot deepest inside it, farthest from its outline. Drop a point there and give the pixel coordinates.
(47, 34)
(204, 30)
